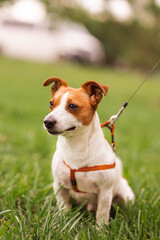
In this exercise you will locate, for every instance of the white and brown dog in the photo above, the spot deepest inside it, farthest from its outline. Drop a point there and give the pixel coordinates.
(84, 163)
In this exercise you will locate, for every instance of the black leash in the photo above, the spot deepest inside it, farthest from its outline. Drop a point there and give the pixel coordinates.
(111, 123)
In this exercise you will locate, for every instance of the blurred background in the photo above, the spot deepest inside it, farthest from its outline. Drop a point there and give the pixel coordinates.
(101, 40)
(118, 33)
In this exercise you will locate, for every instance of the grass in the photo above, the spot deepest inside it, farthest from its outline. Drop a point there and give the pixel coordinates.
(27, 204)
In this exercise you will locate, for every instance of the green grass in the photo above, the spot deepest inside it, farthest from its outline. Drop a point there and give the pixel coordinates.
(27, 204)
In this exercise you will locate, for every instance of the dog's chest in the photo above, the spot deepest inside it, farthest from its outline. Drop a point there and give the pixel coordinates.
(86, 181)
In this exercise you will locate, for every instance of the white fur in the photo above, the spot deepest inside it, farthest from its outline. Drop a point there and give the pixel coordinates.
(86, 146)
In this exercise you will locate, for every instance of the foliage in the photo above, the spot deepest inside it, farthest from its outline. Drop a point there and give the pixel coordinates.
(130, 43)
(27, 204)
(6, 1)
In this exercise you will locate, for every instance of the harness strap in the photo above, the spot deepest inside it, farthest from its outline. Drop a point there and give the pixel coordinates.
(109, 124)
(85, 169)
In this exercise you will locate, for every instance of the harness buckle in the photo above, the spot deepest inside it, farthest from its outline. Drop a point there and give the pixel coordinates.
(73, 182)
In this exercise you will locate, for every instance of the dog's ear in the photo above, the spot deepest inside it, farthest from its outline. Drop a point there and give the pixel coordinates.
(95, 91)
(57, 83)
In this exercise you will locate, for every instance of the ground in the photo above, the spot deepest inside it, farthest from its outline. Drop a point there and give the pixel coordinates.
(27, 204)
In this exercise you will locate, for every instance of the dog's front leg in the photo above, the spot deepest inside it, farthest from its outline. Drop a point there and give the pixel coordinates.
(62, 196)
(104, 206)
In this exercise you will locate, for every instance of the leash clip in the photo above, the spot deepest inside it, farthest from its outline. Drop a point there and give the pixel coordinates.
(113, 119)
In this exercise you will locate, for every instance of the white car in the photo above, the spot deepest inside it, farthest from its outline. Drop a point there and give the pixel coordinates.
(41, 43)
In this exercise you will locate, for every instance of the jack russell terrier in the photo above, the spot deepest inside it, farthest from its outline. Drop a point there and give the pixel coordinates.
(84, 165)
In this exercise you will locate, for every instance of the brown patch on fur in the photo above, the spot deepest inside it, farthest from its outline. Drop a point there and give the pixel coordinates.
(86, 98)
(95, 92)
(84, 113)
(58, 82)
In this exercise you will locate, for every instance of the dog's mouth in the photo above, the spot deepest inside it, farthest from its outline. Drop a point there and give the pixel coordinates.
(59, 133)
(71, 129)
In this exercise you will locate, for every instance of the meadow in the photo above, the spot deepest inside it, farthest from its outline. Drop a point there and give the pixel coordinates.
(27, 203)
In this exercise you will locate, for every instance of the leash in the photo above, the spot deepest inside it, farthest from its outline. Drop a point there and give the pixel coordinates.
(110, 124)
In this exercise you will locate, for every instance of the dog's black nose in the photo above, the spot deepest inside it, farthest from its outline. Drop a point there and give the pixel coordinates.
(49, 123)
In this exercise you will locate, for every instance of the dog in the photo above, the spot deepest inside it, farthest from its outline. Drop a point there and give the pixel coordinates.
(84, 165)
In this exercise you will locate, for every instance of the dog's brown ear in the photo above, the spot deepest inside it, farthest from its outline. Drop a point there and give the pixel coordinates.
(95, 91)
(57, 83)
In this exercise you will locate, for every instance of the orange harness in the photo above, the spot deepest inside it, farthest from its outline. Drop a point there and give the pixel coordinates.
(86, 169)
(110, 125)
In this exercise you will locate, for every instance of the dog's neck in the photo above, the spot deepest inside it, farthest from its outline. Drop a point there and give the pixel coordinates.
(84, 147)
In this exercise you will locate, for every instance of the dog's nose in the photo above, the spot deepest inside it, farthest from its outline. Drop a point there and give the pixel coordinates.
(49, 123)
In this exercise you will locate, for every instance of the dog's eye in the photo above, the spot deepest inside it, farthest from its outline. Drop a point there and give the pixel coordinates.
(72, 106)
(51, 104)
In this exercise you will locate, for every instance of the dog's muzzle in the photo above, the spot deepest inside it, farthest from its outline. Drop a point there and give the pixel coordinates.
(51, 128)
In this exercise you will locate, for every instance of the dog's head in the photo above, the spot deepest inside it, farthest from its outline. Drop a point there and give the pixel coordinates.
(72, 108)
